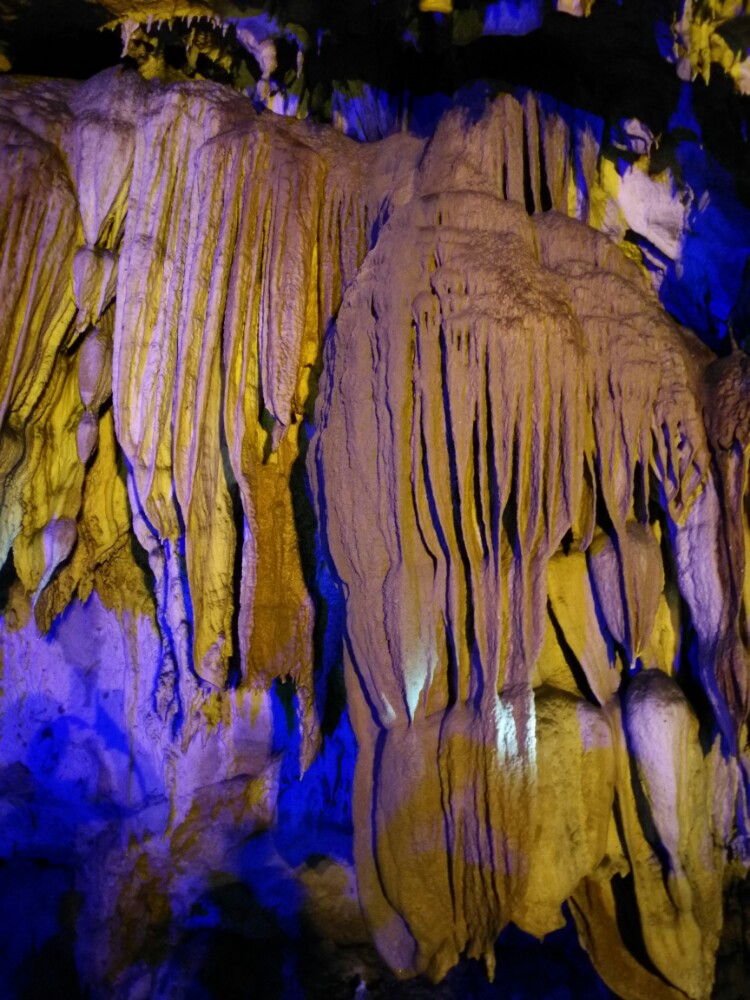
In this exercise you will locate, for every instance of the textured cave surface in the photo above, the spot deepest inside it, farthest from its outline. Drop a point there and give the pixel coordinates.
(374, 433)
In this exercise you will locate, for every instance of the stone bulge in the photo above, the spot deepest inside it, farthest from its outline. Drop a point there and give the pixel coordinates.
(226, 333)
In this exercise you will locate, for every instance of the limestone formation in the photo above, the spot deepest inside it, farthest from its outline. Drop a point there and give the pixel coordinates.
(525, 415)
(250, 368)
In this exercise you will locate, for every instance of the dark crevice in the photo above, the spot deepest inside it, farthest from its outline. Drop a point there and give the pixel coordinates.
(286, 61)
(285, 725)
(643, 809)
(326, 595)
(603, 519)
(235, 666)
(415, 486)
(627, 913)
(567, 542)
(628, 921)
(640, 497)
(510, 511)
(481, 514)
(452, 679)
(456, 495)
(544, 191)
(579, 674)
(492, 484)
(8, 577)
(528, 188)
(137, 551)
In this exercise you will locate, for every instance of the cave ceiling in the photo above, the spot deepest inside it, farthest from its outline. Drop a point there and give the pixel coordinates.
(614, 58)
(675, 70)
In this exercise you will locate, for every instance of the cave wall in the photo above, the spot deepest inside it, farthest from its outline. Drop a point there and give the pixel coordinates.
(315, 451)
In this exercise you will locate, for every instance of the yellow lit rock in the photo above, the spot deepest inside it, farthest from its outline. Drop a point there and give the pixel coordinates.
(436, 6)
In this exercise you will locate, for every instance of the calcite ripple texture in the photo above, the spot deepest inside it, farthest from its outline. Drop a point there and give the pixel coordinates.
(513, 470)
(253, 373)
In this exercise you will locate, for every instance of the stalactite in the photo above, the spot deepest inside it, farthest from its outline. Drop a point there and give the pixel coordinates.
(487, 423)
(530, 482)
